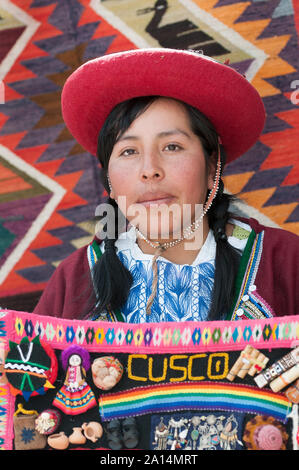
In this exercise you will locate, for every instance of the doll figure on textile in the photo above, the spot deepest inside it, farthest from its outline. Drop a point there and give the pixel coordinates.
(75, 396)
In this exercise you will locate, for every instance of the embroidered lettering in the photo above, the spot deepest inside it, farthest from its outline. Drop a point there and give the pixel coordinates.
(150, 371)
(190, 366)
(221, 374)
(130, 361)
(176, 367)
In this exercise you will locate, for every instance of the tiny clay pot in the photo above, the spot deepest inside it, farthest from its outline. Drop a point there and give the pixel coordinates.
(92, 431)
(58, 441)
(77, 437)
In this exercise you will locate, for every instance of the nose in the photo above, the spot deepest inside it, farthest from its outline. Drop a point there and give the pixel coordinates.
(151, 168)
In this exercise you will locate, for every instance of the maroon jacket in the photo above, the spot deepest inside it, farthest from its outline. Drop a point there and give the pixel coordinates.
(69, 291)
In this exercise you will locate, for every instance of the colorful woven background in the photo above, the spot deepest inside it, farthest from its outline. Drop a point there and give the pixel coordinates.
(50, 187)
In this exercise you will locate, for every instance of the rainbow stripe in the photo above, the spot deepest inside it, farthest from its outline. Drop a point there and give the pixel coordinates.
(193, 396)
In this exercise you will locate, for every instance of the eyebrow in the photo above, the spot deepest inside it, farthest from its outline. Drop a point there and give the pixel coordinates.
(161, 134)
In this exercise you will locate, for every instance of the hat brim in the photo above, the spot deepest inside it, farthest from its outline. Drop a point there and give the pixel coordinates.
(225, 96)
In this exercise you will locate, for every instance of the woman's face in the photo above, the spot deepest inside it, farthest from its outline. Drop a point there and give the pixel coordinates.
(158, 171)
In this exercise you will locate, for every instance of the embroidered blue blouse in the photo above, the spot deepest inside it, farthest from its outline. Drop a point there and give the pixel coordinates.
(183, 292)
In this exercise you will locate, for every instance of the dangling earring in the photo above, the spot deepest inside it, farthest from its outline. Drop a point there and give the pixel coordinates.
(109, 183)
(214, 190)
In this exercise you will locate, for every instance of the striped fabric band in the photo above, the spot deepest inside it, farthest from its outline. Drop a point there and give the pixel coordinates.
(193, 396)
(249, 303)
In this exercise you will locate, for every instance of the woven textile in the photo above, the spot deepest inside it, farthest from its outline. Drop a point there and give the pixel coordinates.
(50, 187)
(167, 369)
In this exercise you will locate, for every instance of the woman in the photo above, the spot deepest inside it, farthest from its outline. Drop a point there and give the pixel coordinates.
(163, 123)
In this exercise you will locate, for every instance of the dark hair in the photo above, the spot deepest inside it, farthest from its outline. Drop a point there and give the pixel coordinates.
(112, 278)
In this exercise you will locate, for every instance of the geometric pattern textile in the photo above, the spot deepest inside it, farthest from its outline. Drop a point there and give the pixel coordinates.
(168, 368)
(50, 187)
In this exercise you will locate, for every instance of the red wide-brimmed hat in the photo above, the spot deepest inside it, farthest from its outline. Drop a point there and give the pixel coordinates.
(221, 93)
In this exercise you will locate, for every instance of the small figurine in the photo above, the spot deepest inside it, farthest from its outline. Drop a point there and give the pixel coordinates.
(75, 396)
(282, 366)
(249, 362)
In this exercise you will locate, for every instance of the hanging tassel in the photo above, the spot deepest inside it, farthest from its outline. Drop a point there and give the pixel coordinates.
(150, 301)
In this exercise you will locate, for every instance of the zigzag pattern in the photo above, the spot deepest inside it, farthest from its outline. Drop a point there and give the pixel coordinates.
(40, 161)
(269, 172)
(69, 34)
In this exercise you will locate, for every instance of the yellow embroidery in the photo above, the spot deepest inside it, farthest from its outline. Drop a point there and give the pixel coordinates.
(217, 362)
(181, 368)
(130, 360)
(190, 366)
(150, 370)
(225, 366)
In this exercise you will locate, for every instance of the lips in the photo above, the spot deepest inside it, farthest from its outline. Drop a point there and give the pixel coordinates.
(152, 197)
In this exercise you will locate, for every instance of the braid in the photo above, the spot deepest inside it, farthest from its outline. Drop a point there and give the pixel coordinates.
(109, 274)
(227, 257)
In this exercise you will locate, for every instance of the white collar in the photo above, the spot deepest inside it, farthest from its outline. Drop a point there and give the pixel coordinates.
(127, 241)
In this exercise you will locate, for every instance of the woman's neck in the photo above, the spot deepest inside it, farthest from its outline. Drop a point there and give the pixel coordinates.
(184, 252)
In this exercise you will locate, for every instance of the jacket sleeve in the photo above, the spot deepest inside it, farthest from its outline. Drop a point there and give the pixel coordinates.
(69, 292)
(278, 275)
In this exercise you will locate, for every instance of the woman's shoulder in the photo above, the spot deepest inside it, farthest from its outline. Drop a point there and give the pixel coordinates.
(277, 242)
(276, 233)
(76, 258)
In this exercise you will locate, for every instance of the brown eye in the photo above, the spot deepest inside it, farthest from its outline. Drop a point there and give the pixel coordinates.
(173, 147)
(127, 152)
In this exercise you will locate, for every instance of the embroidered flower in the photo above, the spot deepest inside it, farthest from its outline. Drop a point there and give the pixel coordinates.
(216, 335)
(206, 336)
(157, 338)
(39, 329)
(167, 336)
(80, 334)
(27, 435)
(196, 336)
(257, 333)
(50, 332)
(148, 335)
(19, 326)
(267, 330)
(89, 335)
(70, 334)
(227, 334)
(110, 335)
(120, 336)
(129, 336)
(186, 336)
(29, 328)
(176, 336)
(138, 337)
(237, 334)
(99, 336)
(59, 333)
(247, 333)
